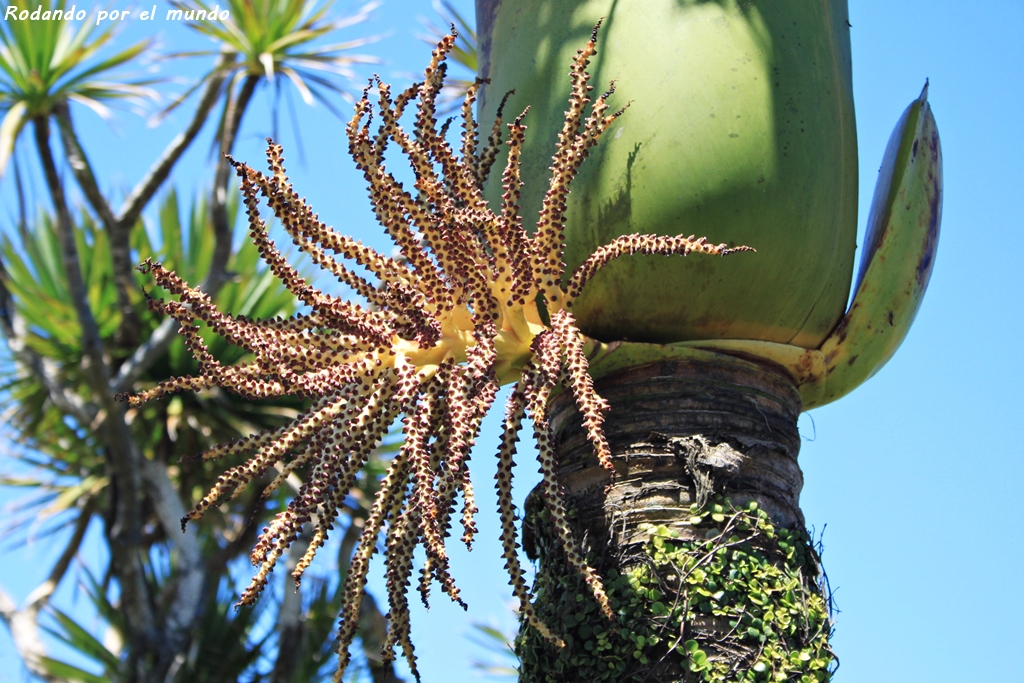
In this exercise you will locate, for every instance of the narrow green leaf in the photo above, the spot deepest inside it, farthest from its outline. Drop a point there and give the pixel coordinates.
(66, 672)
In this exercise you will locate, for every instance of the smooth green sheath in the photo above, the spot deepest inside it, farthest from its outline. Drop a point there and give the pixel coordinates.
(740, 128)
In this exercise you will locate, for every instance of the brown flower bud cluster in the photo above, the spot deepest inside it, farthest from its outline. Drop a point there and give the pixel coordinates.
(473, 302)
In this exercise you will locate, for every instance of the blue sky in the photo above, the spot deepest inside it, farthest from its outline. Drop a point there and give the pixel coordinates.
(913, 474)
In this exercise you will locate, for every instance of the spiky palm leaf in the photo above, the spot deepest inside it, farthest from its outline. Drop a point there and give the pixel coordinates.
(271, 38)
(37, 282)
(45, 63)
(228, 642)
(504, 663)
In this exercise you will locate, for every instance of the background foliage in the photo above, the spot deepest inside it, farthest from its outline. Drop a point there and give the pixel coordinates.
(78, 330)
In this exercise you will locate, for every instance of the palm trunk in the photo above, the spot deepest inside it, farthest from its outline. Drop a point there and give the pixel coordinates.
(734, 594)
(124, 520)
(157, 640)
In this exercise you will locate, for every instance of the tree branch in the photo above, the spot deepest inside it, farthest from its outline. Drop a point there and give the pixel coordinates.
(15, 331)
(158, 343)
(218, 204)
(121, 452)
(186, 608)
(24, 628)
(158, 173)
(92, 344)
(119, 227)
(289, 625)
(24, 623)
(80, 166)
(38, 598)
(120, 242)
(145, 355)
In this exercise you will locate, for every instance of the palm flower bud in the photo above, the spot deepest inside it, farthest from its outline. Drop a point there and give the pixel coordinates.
(747, 133)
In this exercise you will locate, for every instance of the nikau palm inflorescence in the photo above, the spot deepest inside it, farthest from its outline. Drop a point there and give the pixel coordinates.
(474, 301)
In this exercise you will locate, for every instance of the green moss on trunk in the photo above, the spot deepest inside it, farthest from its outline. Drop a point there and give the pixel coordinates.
(738, 601)
(699, 537)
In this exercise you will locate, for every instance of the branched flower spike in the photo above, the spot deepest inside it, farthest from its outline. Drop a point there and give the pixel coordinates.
(443, 327)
